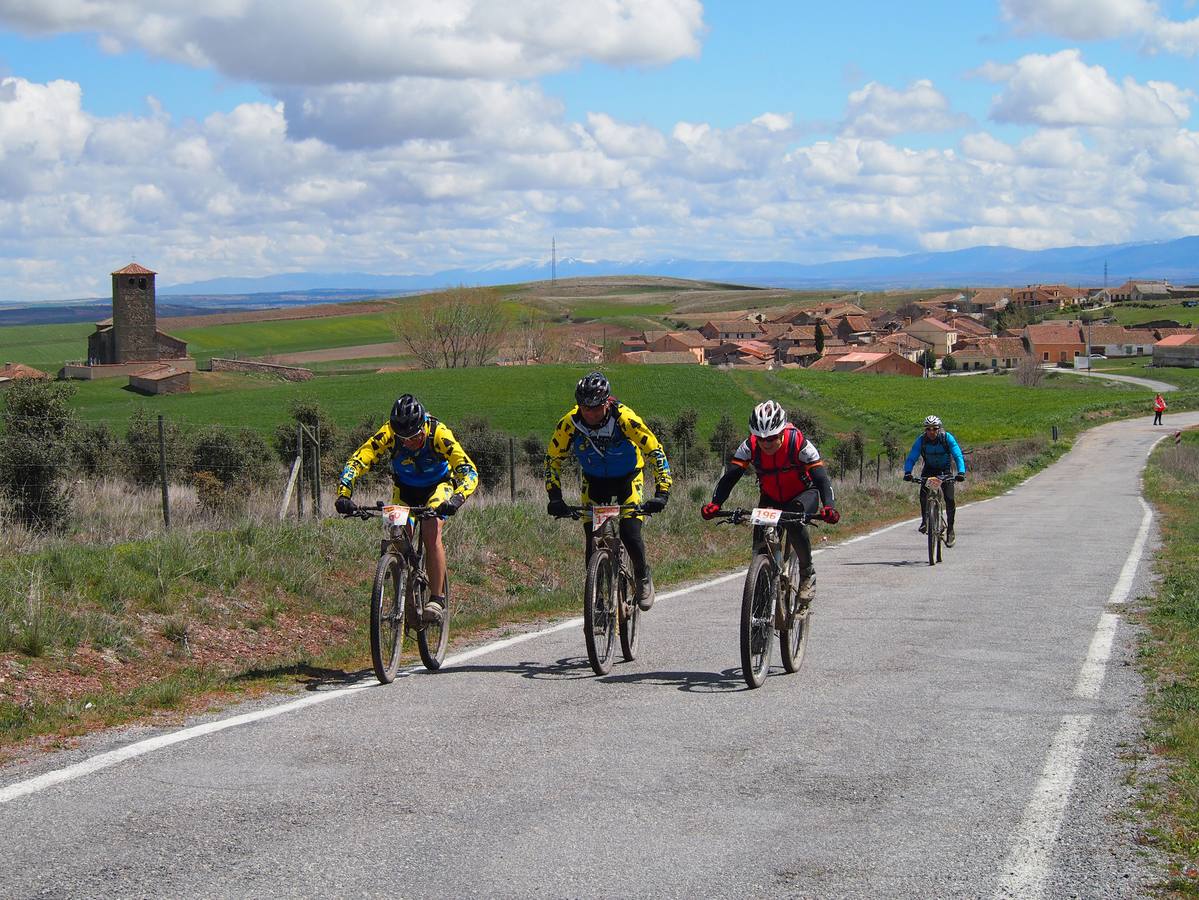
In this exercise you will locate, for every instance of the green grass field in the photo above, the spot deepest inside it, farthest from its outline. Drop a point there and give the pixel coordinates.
(44, 347)
(520, 400)
(1139, 367)
(1131, 315)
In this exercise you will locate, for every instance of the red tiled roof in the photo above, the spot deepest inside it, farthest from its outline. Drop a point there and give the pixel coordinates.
(1053, 334)
(18, 370)
(134, 269)
(1178, 340)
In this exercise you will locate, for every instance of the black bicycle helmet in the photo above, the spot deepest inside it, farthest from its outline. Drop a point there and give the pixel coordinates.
(407, 416)
(592, 390)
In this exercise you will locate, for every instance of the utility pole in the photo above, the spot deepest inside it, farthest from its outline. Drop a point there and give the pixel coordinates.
(554, 260)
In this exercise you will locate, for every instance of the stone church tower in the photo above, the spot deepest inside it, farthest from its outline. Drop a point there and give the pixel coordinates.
(133, 316)
(132, 334)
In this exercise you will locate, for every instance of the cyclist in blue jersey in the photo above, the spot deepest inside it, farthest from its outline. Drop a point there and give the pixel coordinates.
(612, 444)
(940, 454)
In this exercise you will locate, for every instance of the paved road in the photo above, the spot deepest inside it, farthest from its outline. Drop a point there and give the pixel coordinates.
(1149, 383)
(937, 734)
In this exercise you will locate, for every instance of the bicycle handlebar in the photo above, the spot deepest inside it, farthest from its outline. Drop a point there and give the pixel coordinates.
(376, 511)
(739, 515)
(577, 511)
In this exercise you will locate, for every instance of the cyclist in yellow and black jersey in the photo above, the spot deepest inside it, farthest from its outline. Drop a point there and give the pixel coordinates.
(428, 468)
(612, 444)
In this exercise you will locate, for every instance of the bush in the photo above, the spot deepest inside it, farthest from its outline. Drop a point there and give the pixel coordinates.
(807, 425)
(229, 456)
(141, 449)
(532, 452)
(487, 447)
(310, 413)
(725, 438)
(34, 455)
(94, 448)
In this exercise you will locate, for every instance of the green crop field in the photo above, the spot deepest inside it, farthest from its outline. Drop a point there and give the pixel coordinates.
(1134, 315)
(520, 400)
(286, 335)
(44, 347)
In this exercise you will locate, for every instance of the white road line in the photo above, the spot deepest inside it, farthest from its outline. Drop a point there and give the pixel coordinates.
(113, 757)
(1028, 862)
(104, 760)
(1124, 584)
(1094, 667)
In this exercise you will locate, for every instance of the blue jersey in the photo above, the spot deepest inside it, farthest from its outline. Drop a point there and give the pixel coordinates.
(938, 454)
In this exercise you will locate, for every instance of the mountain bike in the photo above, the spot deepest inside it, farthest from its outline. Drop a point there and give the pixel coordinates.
(770, 600)
(400, 590)
(934, 517)
(610, 591)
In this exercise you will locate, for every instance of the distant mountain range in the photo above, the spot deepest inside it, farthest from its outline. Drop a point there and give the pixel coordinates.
(1176, 260)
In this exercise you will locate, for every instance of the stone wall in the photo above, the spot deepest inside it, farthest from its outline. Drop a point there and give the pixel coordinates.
(287, 373)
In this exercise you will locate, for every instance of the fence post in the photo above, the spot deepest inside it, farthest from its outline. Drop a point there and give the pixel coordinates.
(878, 468)
(300, 472)
(512, 468)
(861, 468)
(684, 460)
(1054, 434)
(316, 475)
(162, 475)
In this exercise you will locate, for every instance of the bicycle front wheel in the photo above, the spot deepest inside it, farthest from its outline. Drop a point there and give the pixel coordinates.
(757, 613)
(933, 523)
(387, 617)
(433, 636)
(630, 620)
(599, 612)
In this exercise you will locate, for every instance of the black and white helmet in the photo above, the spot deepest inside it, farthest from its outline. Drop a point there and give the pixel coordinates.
(592, 390)
(407, 416)
(767, 419)
(932, 422)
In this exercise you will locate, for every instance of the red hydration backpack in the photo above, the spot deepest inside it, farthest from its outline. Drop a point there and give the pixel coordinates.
(782, 476)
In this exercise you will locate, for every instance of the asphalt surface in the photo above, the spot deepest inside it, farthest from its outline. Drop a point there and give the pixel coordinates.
(901, 761)
(1161, 387)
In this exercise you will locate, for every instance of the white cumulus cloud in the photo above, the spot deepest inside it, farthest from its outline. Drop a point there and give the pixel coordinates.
(1085, 20)
(1063, 91)
(881, 111)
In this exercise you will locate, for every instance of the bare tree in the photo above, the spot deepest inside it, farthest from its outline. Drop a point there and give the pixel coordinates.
(1028, 372)
(454, 329)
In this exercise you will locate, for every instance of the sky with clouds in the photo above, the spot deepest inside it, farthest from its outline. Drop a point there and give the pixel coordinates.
(252, 137)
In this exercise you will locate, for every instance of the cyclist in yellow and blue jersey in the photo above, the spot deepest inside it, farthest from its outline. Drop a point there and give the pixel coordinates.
(612, 444)
(429, 467)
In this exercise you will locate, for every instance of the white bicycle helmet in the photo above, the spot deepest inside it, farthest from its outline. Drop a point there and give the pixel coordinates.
(767, 419)
(932, 422)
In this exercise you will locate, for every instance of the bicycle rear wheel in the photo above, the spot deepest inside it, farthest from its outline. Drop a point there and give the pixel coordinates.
(432, 637)
(757, 613)
(793, 637)
(599, 611)
(387, 617)
(630, 621)
(933, 523)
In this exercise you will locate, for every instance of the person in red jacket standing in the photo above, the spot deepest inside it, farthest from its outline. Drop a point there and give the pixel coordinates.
(1159, 407)
(791, 477)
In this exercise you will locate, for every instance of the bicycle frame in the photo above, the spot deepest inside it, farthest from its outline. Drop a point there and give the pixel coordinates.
(401, 539)
(778, 551)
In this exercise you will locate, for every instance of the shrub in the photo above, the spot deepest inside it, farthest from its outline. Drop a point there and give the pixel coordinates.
(310, 413)
(229, 456)
(487, 447)
(34, 454)
(725, 438)
(141, 448)
(94, 448)
(809, 426)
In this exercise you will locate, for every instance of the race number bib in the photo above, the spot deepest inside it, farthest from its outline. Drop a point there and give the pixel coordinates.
(764, 516)
(395, 516)
(601, 514)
